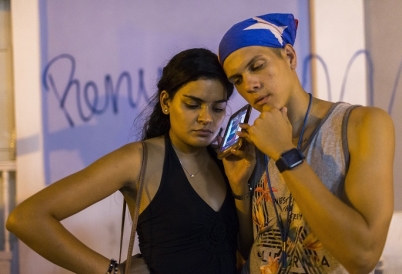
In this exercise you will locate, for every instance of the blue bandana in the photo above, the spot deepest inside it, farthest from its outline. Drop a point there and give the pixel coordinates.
(271, 30)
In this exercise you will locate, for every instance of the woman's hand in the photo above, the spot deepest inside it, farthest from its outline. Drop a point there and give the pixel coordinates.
(137, 266)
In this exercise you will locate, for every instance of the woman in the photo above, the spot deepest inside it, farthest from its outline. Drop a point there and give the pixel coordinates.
(188, 221)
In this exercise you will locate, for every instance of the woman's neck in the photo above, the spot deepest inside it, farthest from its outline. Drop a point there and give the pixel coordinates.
(186, 150)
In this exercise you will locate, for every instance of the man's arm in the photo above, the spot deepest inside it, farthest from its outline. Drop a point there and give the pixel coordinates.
(354, 229)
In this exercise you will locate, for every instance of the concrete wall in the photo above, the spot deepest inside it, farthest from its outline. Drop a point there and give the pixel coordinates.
(383, 21)
(383, 42)
(104, 38)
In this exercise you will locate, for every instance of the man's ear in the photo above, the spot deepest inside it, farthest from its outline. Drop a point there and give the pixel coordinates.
(164, 101)
(291, 55)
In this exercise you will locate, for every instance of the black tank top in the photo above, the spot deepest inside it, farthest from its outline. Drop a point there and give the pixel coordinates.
(180, 233)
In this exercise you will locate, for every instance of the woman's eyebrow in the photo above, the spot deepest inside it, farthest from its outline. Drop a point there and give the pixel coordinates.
(199, 100)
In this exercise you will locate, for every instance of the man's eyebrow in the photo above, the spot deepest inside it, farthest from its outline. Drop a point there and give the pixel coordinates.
(232, 77)
(199, 100)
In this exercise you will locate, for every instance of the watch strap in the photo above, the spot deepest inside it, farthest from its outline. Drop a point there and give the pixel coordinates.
(286, 163)
(281, 165)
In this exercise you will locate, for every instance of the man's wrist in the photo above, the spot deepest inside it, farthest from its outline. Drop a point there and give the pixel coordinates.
(289, 160)
(279, 152)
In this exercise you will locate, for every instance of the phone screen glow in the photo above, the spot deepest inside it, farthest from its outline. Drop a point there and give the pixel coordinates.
(231, 137)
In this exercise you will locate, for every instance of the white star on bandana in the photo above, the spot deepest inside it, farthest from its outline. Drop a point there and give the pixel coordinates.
(262, 24)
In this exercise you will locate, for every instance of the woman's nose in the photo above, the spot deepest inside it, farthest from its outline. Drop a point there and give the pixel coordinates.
(205, 116)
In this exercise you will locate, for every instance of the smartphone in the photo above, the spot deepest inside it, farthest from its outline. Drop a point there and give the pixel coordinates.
(230, 138)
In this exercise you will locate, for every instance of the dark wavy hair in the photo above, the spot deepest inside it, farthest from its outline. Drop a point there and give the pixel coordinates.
(186, 66)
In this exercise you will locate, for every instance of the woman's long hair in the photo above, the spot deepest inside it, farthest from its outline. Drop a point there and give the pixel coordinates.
(186, 66)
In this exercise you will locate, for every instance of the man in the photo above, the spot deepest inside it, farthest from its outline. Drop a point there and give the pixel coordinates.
(322, 186)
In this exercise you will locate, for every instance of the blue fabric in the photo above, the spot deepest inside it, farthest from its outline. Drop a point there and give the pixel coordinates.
(269, 30)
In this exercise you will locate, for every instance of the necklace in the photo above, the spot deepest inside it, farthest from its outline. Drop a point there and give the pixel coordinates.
(284, 228)
(190, 174)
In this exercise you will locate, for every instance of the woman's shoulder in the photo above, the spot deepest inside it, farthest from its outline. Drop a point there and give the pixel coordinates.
(155, 149)
(156, 146)
(126, 161)
(135, 147)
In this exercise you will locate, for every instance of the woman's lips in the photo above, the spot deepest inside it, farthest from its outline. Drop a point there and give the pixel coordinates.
(203, 132)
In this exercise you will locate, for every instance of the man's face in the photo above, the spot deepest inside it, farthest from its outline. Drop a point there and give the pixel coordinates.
(261, 75)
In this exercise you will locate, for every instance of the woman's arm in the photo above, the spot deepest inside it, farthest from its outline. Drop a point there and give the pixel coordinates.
(238, 168)
(36, 221)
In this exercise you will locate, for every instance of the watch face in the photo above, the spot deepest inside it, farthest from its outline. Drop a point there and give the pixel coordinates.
(293, 158)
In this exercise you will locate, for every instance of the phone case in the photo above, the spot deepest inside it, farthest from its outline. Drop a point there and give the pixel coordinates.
(230, 139)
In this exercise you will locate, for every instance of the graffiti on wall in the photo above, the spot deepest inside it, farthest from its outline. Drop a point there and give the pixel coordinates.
(88, 95)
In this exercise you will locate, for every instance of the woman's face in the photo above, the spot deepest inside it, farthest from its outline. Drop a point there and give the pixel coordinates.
(197, 111)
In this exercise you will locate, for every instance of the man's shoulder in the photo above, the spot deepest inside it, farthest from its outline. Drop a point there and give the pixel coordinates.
(366, 115)
(372, 124)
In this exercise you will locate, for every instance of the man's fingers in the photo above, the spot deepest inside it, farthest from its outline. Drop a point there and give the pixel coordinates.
(266, 108)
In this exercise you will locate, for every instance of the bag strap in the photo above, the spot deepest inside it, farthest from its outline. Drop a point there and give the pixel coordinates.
(122, 228)
(140, 187)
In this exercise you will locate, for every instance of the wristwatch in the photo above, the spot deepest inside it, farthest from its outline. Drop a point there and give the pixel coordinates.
(290, 159)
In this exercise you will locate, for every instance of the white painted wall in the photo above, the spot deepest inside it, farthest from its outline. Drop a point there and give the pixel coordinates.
(337, 35)
(25, 30)
(392, 255)
(6, 85)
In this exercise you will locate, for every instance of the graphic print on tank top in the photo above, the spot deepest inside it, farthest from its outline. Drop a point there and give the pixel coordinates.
(302, 247)
(326, 152)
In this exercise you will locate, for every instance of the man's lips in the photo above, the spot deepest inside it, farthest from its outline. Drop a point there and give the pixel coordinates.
(262, 100)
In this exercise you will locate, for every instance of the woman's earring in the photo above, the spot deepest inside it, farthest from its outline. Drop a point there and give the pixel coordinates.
(165, 110)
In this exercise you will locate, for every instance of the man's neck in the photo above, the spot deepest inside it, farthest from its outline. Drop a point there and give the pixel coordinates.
(318, 110)
(297, 110)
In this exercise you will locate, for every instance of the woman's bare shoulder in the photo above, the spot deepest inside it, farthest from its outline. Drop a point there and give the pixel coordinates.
(132, 153)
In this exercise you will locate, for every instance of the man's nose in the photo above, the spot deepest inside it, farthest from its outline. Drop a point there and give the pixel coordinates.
(251, 83)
